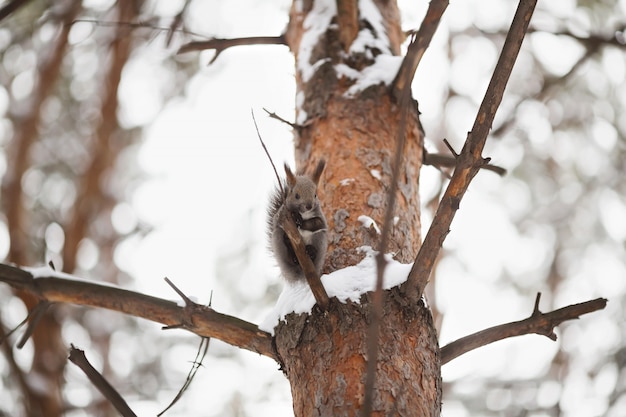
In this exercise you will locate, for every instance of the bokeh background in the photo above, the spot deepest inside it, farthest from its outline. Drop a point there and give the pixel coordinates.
(123, 161)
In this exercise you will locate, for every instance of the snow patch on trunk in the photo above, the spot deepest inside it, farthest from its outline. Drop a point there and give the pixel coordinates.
(315, 25)
(346, 284)
(382, 71)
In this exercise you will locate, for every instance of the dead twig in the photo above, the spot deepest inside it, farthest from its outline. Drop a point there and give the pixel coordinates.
(319, 292)
(470, 159)
(439, 160)
(220, 45)
(538, 323)
(417, 48)
(176, 22)
(200, 355)
(376, 307)
(78, 358)
(280, 119)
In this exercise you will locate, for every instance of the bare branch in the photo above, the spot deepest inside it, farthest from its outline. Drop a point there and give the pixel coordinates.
(376, 309)
(35, 315)
(280, 119)
(78, 358)
(220, 45)
(203, 321)
(593, 41)
(418, 46)
(176, 22)
(439, 160)
(470, 160)
(319, 292)
(538, 323)
(200, 355)
(138, 25)
(17, 375)
(280, 183)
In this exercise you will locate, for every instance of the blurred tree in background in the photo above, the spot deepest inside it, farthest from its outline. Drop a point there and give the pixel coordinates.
(69, 143)
(68, 162)
(561, 132)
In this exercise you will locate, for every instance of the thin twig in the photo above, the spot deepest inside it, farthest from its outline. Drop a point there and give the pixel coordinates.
(313, 279)
(538, 323)
(17, 374)
(134, 25)
(176, 22)
(417, 48)
(280, 182)
(439, 160)
(200, 355)
(280, 119)
(220, 45)
(187, 300)
(470, 159)
(78, 358)
(35, 317)
(5, 336)
(376, 307)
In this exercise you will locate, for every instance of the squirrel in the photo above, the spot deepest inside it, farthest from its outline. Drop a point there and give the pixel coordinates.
(298, 199)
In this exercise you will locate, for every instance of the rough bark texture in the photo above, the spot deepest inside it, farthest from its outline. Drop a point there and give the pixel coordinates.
(357, 136)
(324, 354)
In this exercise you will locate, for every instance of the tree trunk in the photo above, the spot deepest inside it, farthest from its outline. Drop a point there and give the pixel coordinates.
(356, 130)
(325, 357)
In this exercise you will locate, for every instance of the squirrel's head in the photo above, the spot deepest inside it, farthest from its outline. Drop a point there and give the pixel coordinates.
(302, 190)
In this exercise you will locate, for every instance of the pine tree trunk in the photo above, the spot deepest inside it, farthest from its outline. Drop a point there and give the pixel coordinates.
(324, 354)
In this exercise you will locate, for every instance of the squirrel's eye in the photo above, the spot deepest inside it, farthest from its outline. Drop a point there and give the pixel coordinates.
(297, 196)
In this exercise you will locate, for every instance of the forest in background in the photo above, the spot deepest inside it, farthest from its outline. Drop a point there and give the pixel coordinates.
(560, 209)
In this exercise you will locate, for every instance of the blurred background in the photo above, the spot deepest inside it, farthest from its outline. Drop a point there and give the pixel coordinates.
(123, 161)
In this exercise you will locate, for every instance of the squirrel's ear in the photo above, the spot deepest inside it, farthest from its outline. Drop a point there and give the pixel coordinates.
(291, 178)
(317, 174)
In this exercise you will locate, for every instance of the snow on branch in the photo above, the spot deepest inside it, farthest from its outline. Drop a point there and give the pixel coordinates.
(56, 287)
(470, 160)
(538, 323)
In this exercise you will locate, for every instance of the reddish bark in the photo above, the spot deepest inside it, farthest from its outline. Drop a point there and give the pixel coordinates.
(325, 354)
(324, 357)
